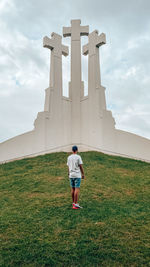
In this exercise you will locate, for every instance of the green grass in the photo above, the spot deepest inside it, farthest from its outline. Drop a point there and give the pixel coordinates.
(39, 228)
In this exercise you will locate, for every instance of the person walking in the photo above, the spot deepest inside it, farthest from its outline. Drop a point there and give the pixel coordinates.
(75, 173)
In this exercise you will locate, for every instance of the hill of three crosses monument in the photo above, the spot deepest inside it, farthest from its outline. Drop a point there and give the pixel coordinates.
(77, 119)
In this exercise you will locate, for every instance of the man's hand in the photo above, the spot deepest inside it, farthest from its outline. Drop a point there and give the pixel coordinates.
(82, 171)
(68, 172)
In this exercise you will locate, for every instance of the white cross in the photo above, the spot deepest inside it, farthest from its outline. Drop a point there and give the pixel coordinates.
(55, 44)
(95, 40)
(75, 31)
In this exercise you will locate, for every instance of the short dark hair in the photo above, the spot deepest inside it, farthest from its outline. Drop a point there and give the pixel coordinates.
(74, 148)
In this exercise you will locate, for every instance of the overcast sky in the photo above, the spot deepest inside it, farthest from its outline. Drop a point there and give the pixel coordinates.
(24, 63)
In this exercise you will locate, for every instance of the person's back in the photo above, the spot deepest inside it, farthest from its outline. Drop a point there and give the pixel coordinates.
(73, 163)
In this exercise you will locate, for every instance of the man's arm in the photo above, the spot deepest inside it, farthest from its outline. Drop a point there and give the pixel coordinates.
(82, 171)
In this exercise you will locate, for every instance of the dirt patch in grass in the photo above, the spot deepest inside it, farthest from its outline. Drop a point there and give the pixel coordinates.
(125, 172)
(129, 192)
(60, 195)
(100, 223)
(59, 178)
(45, 195)
(57, 231)
(37, 195)
(85, 225)
(101, 194)
(54, 179)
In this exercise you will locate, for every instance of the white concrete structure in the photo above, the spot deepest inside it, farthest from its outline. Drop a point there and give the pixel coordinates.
(76, 86)
(80, 120)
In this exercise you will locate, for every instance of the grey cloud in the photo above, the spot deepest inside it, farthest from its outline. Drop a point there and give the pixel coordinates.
(35, 18)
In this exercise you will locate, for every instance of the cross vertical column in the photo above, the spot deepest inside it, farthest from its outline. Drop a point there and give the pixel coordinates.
(96, 93)
(75, 31)
(54, 133)
(94, 79)
(55, 83)
(92, 49)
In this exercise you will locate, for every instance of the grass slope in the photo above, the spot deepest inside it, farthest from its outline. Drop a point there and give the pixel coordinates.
(39, 228)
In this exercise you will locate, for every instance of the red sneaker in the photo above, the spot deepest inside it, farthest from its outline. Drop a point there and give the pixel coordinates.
(78, 206)
(75, 208)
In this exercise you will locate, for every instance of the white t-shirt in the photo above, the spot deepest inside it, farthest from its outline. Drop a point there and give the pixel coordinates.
(73, 163)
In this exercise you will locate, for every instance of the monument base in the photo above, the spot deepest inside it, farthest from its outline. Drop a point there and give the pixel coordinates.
(27, 145)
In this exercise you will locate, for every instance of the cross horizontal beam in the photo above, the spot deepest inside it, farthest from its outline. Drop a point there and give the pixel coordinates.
(95, 40)
(55, 43)
(101, 39)
(48, 43)
(76, 29)
(66, 31)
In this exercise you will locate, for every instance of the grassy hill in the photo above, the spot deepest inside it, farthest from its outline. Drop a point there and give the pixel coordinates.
(39, 227)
